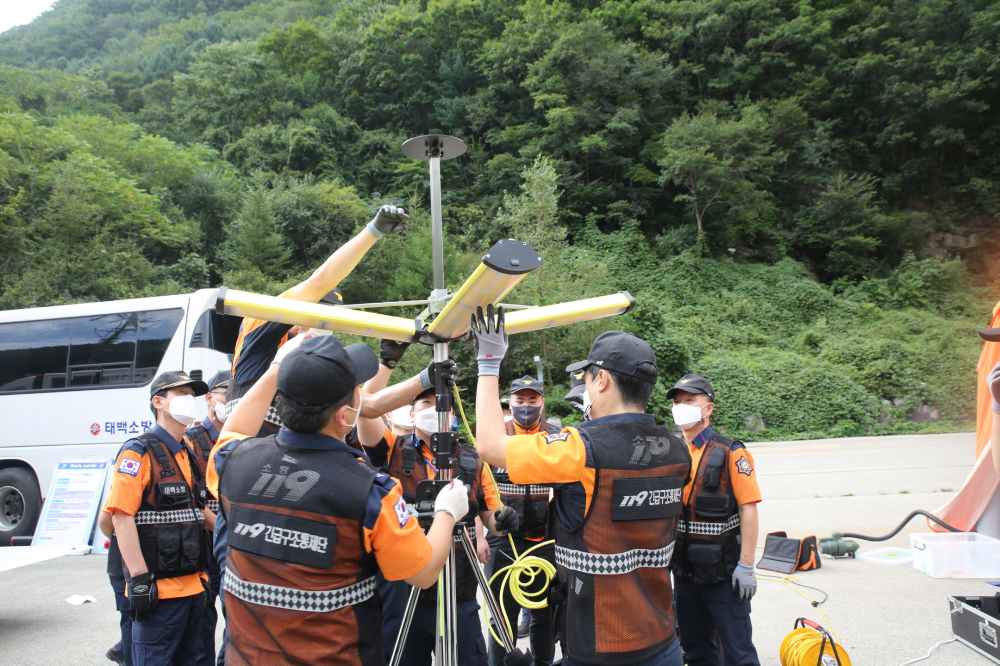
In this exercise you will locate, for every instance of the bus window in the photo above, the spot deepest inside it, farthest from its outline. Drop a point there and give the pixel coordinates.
(215, 331)
(107, 350)
(102, 350)
(156, 330)
(33, 354)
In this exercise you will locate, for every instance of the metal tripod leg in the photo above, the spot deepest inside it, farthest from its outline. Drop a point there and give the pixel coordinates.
(484, 585)
(404, 628)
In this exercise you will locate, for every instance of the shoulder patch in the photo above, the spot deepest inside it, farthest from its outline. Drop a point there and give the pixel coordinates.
(402, 513)
(129, 466)
(743, 466)
(561, 437)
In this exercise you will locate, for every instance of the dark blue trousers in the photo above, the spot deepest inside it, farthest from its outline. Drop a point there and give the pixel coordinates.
(121, 603)
(220, 540)
(710, 615)
(170, 636)
(668, 656)
(420, 641)
(206, 648)
(394, 595)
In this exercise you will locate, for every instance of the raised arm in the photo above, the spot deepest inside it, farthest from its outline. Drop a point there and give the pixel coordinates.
(491, 344)
(388, 221)
(394, 397)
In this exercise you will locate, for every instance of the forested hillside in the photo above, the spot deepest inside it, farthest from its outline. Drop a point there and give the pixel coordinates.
(802, 196)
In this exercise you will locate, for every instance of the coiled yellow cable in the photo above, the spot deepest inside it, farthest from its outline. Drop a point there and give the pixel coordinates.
(802, 648)
(523, 570)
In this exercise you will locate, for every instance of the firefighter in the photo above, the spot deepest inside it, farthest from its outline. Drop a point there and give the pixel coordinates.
(531, 502)
(713, 565)
(259, 340)
(200, 439)
(618, 481)
(310, 520)
(159, 519)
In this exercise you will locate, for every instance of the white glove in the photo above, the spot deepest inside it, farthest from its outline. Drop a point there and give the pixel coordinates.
(453, 499)
(290, 346)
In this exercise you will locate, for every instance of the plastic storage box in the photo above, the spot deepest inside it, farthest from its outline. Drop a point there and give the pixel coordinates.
(956, 555)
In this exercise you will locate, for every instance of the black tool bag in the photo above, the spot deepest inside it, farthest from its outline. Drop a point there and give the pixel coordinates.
(786, 555)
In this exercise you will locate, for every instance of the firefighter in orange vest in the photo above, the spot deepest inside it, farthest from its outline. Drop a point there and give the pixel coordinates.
(160, 520)
(713, 565)
(618, 481)
(309, 520)
(531, 502)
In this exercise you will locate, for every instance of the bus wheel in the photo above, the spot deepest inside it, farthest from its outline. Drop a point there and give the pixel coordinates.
(20, 503)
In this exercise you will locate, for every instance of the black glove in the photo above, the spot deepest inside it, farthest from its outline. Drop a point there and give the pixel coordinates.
(143, 597)
(575, 401)
(209, 599)
(390, 352)
(507, 520)
(448, 369)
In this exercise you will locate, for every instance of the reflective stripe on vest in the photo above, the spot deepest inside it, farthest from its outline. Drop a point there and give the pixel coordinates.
(165, 517)
(616, 563)
(518, 491)
(272, 414)
(212, 505)
(289, 598)
(710, 529)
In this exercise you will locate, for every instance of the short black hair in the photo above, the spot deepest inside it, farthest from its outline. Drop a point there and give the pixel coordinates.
(298, 419)
(635, 392)
(158, 394)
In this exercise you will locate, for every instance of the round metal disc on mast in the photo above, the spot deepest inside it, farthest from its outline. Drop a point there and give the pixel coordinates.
(430, 146)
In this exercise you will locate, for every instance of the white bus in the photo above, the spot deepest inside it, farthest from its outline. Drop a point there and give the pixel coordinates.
(74, 383)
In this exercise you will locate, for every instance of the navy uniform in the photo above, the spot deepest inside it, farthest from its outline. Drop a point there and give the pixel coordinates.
(709, 611)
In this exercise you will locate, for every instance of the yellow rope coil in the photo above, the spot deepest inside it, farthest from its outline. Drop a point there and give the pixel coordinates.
(520, 574)
(802, 648)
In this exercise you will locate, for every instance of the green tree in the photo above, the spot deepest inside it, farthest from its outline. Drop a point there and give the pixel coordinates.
(254, 243)
(722, 163)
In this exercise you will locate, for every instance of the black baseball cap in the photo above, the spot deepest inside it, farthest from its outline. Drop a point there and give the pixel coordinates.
(173, 379)
(621, 352)
(333, 297)
(322, 371)
(576, 384)
(692, 384)
(505, 401)
(220, 379)
(527, 383)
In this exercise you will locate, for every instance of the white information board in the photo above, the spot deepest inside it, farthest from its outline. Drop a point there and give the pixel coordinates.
(71, 506)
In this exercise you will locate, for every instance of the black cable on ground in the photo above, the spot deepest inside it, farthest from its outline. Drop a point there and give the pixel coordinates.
(918, 512)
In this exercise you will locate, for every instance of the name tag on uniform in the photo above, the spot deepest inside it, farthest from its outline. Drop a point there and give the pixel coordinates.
(283, 538)
(646, 499)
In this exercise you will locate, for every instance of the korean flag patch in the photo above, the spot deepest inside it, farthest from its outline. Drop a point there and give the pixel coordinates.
(402, 513)
(129, 466)
(743, 466)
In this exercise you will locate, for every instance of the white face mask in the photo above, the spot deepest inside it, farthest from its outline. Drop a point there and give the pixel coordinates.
(588, 402)
(508, 418)
(184, 409)
(686, 415)
(357, 410)
(426, 420)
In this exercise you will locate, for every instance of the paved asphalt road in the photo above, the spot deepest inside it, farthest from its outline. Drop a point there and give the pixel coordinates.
(885, 615)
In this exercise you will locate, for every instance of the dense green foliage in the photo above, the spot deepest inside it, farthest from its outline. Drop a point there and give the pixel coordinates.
(801, 195)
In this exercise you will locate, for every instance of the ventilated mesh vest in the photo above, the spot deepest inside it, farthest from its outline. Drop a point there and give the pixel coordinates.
(619, 603)
(708, 532)
(299, 584)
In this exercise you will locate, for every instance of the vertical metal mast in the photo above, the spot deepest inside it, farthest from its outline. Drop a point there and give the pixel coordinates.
(435, 148)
